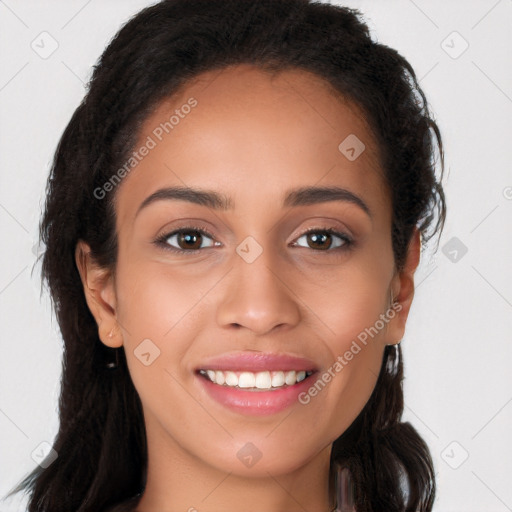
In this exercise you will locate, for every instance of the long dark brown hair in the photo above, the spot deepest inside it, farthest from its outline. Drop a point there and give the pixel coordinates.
(101, 442)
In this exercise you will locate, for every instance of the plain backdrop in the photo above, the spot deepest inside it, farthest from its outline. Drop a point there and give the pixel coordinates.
(457, 348)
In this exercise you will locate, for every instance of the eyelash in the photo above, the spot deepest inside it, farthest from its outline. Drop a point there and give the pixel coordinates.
(161, 241)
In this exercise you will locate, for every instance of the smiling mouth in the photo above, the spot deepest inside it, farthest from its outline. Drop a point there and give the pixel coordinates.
(255, 381)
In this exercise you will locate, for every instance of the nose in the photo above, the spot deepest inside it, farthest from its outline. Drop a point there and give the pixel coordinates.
(259, 296)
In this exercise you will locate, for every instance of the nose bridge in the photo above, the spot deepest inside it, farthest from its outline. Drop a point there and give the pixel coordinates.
(257, 296)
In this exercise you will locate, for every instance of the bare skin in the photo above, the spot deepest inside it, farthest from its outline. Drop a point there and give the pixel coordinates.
(252, 138)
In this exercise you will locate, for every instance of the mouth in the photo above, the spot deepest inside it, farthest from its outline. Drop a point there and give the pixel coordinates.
(255, 381)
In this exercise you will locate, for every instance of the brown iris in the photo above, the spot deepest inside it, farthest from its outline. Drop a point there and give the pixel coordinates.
(319, 240)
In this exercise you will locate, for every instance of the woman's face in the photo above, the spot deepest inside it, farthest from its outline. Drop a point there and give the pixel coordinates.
(264, 161)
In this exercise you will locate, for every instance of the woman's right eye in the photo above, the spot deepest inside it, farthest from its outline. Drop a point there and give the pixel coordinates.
(185, 240)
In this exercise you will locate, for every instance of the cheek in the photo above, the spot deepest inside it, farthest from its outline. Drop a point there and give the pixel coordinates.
(159, 310)
(356, 347)
(352, 308)
(349, 300)
(155, 300)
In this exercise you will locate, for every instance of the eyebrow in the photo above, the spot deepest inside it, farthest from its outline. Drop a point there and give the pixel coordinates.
(303, 196)
(314, 195)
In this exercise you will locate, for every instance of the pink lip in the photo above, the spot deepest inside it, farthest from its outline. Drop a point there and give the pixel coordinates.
(257, 362)
(256, 403)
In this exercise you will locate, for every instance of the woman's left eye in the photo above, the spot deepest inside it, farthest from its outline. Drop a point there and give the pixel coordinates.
(324, 239)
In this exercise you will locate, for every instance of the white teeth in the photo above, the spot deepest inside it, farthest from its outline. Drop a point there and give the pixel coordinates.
(277, 379)
(246, 380)
(263, 380)
(290, 378)
(230, 378)
(259, 380)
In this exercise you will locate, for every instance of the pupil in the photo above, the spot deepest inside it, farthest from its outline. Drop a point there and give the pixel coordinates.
(322, 238)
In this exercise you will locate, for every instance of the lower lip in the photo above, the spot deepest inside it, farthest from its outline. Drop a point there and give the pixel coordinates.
(255, 403)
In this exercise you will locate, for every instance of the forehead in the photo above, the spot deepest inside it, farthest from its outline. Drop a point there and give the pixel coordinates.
(252, 135)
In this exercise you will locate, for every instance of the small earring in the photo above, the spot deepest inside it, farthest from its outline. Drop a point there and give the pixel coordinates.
(112, 365)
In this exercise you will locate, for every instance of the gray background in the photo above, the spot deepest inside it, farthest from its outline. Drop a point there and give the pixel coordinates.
(457, 348)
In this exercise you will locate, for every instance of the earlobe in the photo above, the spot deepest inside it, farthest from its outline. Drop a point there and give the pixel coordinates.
(99, 293)
(403, 291)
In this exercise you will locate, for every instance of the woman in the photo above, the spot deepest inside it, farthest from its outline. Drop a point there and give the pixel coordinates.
(234, 216)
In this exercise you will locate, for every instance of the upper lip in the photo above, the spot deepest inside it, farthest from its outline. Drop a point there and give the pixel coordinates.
(257, 362)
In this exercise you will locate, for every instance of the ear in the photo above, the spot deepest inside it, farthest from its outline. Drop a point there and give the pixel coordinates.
(99, 293)
(403, 291)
